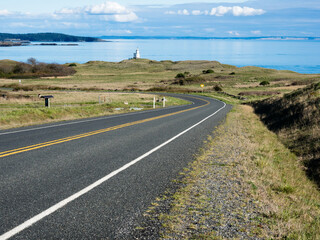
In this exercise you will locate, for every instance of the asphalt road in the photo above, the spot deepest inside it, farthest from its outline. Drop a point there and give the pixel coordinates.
(93, 178)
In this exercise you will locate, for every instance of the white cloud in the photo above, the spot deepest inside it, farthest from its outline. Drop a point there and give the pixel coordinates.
(236, 11)
(210, 30)
(221, 11)
(69, 11)
(4, 12)
(125, 17)
(183, 12)
(196, 12)
(170, 12)
(256, 32)
(246, 11)
(75, 25)
(107, 8)
(118, 31)
(233, 33)
(111, 11)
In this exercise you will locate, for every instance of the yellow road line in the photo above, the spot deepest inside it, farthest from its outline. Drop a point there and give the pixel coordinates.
(83, 135)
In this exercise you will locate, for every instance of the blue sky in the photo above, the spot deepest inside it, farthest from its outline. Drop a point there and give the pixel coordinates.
(204, 18)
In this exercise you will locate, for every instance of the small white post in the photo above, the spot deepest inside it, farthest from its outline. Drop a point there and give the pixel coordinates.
(154, 102)
(164, 102)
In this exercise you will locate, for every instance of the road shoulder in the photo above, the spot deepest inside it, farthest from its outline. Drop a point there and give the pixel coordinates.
(244, 185)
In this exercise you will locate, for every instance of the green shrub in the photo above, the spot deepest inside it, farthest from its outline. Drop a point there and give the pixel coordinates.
(264, 83)
(207, 71)
(180, 75)
(217, 88)
(72, 65)
(181, 82)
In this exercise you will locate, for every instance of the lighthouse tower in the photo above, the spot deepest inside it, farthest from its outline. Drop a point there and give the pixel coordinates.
(136, 55)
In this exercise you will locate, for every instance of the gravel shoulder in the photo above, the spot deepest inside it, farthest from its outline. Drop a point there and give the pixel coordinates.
(212, 198)
(244, 184)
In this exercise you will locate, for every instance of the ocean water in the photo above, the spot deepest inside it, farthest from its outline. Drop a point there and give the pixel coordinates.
(302, 56)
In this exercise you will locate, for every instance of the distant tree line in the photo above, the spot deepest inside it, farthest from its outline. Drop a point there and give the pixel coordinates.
(33, 69)
(47, 37)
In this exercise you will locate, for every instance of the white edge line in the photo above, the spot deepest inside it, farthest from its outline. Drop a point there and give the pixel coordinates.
(90, 120)
(73, 197)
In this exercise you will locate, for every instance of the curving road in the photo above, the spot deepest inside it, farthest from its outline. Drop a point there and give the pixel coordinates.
(93, 178)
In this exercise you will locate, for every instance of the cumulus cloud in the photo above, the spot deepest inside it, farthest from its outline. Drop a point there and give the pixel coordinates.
(246, 11)
(107, 8)
(221, 11)
(236, 11)
(111, 11)
(122, 17)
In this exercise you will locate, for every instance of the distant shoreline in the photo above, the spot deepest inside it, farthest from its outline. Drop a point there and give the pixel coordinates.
(283, 38)
(45, 37)
(6, 44)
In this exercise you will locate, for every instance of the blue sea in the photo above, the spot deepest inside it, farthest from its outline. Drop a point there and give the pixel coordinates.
(302, 56)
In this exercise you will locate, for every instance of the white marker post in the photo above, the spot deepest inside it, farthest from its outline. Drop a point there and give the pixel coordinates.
(164, 102)
(154, 102)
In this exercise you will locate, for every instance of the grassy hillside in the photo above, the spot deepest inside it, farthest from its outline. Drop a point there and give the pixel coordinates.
(225, 82)
(296, 119)
(144, 74)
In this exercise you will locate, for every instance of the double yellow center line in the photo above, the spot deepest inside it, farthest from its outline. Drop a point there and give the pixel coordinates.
(68, 139)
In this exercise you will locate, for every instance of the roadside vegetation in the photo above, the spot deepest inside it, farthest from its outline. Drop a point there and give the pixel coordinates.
(21, 108)
(295, 118)
(245, 184)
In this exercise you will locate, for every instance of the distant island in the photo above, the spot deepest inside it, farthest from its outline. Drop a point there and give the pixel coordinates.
(44, 37)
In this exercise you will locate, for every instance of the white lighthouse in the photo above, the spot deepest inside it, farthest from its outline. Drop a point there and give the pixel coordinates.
(136, 55)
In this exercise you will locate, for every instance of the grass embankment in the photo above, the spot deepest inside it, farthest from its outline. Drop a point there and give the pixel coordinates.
(296, 120)
(25, 108)
(246, 184)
